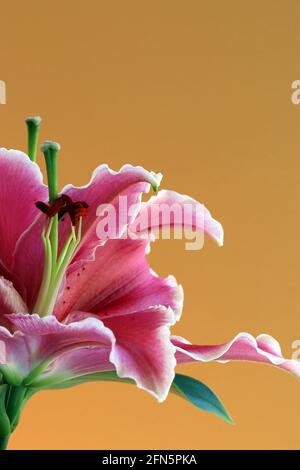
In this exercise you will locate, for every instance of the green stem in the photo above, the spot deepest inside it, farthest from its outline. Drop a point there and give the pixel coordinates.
(5, 428)
(33, 128)
(28, 394)
(12, 401)
(15, 401)
(3, 442)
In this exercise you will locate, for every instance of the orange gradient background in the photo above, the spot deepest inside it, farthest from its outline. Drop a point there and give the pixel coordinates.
(202, 92)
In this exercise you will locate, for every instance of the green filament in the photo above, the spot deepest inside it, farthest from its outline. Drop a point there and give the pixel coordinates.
(53, 276)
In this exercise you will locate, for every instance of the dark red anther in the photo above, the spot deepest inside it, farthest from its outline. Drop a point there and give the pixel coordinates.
(78, 209)
(64, 205)
(59, 206)
(42, 206)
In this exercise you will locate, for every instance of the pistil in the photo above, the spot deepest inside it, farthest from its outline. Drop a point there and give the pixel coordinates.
(33, 128)
(55, 263)
(50, 150)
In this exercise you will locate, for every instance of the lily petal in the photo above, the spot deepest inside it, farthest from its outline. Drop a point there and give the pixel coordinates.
(21, 186)
(39, 341)
(119, 281)
(172, 209)
(143, 350)
(244, 347)
(104, 188)
(2, 352)
(10, 301)
(85, 360)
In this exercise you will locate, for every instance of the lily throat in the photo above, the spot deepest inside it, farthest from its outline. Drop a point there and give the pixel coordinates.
(56, 263)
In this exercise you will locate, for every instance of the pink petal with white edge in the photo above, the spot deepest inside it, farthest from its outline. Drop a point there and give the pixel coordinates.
(17, 356)
(243, 347)
(21, 184)
(119, 281)
(180, 211)
(82, 361)
(76, 363)
(10, 301)
(143, 350)
(104, 188)
(38, 340)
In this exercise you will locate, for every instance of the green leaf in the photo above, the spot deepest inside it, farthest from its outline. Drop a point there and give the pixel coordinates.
(199, 395)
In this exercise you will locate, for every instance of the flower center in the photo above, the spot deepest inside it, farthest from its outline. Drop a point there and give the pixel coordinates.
(56, 262)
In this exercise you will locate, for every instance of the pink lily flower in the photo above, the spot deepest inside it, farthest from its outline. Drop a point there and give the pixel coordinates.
(110, 312)
(74, 306)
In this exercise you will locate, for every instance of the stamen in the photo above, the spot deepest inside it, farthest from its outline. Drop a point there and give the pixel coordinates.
(62, 265)
(77, 210)
(64, 205)
(58, 207)
(47, 268)
(33, 128)
(65, 249)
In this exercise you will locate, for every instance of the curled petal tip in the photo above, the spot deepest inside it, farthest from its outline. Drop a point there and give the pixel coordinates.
(155, 187)
(156, 182)
(220, 241)
(215, 230)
